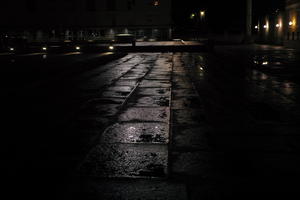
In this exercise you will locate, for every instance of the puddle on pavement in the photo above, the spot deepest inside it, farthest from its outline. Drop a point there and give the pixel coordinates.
(136, 133)
(157, 114)
(126, 160)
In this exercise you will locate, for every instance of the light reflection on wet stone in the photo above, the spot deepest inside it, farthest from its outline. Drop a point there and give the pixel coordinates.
(150, 101)
(126, 160)
(136, 133)
(154, 91)
(155, 84)
(157, 114)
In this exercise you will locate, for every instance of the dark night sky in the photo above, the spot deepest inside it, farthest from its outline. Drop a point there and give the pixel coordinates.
(221, 15)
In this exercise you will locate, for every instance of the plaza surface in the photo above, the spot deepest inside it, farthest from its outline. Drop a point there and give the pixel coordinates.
(197, 125)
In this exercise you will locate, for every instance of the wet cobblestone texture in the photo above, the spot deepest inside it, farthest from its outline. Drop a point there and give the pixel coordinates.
(180, 126)
(130, 159)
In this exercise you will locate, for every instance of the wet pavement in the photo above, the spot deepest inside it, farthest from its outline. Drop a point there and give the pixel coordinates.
(151, 126)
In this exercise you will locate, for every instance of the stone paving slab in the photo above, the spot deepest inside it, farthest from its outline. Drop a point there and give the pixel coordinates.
(153, 133)
(190, 138)
(115, 94)
(184, 93)
(154, 91)
(156, 114)
(136, 189)
(126, 160)
(199, 163)
(158, 77)
(126, 82)
(149, 101)
(187, 102)
(189, 117)
(155, 84)
(182, 85)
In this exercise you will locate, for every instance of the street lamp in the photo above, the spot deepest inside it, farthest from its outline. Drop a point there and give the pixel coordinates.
(192, 16)
(202, 13)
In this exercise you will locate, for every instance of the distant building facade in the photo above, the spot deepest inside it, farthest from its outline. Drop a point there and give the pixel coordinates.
(56, 20)
(281, 27)
(292, 37)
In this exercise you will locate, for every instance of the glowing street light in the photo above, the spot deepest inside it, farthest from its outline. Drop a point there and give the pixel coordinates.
(291, 23)
(278, 25)
(77, 48)
(256, 27)
(44, 48)
(192, 16)
(202, 13)
(111, 47)
(11, 49)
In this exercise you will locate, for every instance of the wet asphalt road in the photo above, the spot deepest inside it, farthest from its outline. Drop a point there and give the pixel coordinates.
(152, 125)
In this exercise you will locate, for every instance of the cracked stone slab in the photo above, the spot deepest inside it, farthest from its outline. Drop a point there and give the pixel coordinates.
(135, 189)
(126, 160)
(150, 101)
(140, 114)
(136, 133)
(154, 91)
(189, 117)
